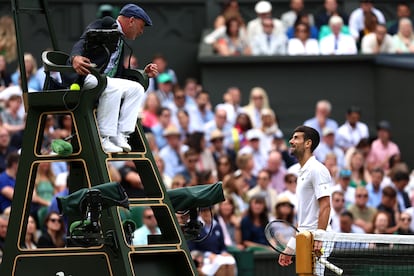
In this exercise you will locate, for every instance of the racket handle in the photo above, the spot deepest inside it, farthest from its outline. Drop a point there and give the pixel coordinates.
(331, 266)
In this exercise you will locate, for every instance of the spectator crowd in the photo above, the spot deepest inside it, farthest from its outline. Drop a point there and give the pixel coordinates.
(327, 31)
(194, 142)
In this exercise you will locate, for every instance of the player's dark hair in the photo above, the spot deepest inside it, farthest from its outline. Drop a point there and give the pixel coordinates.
(309, 134)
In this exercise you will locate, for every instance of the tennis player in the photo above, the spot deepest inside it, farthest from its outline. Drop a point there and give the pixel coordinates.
(313, 190)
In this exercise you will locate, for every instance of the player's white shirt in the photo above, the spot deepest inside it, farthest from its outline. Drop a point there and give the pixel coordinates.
(314, 182)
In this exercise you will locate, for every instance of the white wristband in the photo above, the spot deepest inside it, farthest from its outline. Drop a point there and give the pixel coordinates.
(319, 232)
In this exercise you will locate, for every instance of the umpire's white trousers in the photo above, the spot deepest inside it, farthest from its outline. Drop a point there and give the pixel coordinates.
(114, 118)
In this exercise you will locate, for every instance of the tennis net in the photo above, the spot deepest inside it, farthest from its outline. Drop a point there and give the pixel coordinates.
(367, 254)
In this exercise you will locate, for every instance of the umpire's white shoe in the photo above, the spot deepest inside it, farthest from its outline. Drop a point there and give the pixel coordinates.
(122, 141)
(110, 147)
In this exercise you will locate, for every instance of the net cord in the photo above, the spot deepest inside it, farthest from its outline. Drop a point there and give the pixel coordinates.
(364, 238)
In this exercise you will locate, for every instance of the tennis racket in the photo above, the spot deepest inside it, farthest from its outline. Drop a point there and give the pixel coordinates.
(281, 234)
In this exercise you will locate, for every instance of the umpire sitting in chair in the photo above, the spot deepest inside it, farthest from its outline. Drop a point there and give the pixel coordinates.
(98, 46)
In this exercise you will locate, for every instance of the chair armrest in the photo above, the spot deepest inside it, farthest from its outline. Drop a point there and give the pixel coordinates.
(56, 61)
(137, 75)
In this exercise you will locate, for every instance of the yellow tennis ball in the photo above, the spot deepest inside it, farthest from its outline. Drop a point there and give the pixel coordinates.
(74, 86)
(322, 250)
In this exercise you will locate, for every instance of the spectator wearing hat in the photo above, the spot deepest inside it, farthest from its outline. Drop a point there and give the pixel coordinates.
(290, 191)
(115, 120)
(165, 91)
(285, 209)
(352, 131)
(255, 27)
(328, 146)
(171, 153)
(263, 189)
(344, 187)
(218, 149)
(253, 147)
(357, 17)
(382, 148)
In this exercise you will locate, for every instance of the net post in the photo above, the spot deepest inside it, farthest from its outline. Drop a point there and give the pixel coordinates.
(304, 257)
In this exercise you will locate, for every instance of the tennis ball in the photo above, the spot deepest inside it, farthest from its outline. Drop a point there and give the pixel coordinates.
(75, 87)
(322, 250)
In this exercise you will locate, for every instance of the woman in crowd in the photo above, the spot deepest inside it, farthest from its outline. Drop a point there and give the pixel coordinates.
(12, 118)
(404, 39)
(206, 161)
(242, 125)
(258, 101)
(229, 222)
(254, 223)
(232, 43)
(302, 43)
(404, 224)
(270, 129)
(178, 181)
(225, 167)
(235, 187)
(44, 190)
(290, 180)
(381, 222)
(30, 65)
(245, 163)
(151, 108)
(370, 24)
(30, 241)
(331, 164)
(53, 234)
(5, 79)
(357, 167)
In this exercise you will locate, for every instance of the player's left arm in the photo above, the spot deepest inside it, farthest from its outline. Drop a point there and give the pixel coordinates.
(324, 212)
(323, 219)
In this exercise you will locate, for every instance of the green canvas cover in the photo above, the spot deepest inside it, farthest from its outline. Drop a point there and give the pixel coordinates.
(112, 195)
(196, 196)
